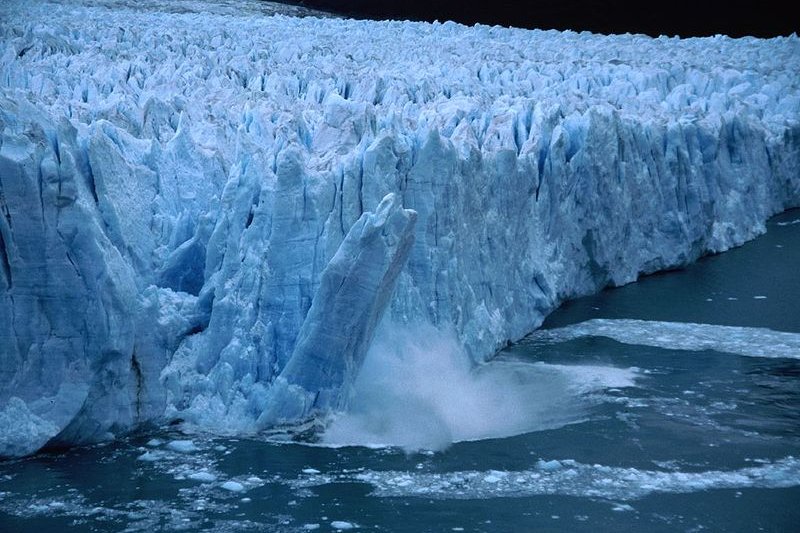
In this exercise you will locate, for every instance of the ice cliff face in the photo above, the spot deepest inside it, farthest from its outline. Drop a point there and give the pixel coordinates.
(206, 213)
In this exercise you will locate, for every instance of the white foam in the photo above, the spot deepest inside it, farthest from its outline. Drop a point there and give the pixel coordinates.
(569, 478)
(746, 341)
(419, 390)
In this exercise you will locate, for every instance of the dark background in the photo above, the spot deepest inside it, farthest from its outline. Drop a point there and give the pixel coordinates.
(686, 18)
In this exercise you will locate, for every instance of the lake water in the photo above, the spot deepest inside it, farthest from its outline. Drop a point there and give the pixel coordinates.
(631, 418)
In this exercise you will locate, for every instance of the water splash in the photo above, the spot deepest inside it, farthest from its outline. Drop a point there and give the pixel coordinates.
(419, 390)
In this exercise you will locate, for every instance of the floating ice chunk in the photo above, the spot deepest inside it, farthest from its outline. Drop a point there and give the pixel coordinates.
(233, 486)
(341, 525)
(205, 477)
(154, 443)
(182, 446)
(310, 471)
(746, 341)
(548, 465)
(310, 527)
(494, 477)
(151, 456)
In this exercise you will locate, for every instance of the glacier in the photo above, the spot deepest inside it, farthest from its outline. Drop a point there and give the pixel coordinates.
(209, 208)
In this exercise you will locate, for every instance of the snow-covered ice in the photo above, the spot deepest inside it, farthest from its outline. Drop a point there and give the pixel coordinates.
(183, 183)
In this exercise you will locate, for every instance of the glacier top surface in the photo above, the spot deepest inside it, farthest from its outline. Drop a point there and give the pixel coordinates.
(218, 57)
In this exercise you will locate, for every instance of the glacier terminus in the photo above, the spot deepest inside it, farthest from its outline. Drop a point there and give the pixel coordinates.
(210, 217)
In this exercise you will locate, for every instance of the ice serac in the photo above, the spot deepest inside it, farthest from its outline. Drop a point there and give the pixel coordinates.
(178, 202)
(354, 291)
(66, 341)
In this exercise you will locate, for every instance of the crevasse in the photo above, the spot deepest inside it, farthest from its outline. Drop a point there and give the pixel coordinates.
(206, 212)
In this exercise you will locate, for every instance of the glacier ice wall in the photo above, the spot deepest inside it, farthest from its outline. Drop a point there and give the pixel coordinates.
(180, 187)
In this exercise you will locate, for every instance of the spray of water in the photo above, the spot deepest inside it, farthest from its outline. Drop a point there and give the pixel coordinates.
(418, 389)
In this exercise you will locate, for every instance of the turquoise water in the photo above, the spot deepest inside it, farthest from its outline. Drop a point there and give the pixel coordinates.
(640, 433)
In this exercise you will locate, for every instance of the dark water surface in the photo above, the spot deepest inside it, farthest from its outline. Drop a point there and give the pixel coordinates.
(649, 437)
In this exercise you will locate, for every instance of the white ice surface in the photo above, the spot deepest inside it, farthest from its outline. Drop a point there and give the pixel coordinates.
(177, 176)
(750, 342)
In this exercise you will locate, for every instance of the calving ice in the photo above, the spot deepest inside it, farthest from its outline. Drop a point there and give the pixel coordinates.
(207, 215)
